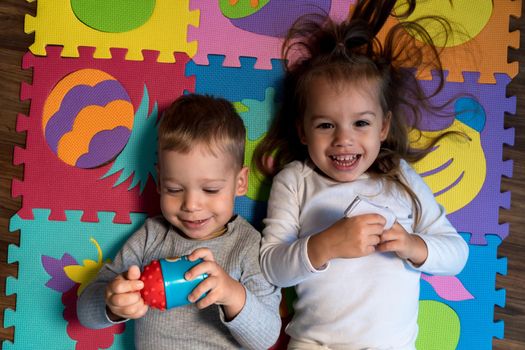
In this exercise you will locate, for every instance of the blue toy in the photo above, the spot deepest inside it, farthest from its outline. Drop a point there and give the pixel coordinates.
(164, 284)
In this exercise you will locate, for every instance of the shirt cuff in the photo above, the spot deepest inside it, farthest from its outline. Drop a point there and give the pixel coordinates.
(114, 322)
(306, 259)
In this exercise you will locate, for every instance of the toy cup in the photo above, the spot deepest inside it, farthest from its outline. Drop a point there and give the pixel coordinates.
(164, 284)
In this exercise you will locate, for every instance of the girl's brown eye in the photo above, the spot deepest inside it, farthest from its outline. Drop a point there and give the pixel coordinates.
(362, 123)
(325, 126)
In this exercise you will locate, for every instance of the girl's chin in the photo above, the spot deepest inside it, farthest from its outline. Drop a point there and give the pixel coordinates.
(344, 175)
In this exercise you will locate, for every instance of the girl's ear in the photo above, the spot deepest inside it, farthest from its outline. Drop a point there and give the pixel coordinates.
(300, 132)
(385, 128)
(242, 182)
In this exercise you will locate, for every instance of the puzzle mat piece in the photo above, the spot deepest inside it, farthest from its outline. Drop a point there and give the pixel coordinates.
(236, 83)
(51, 183)
(479, 278)
(481, 215)
(215, 30)
(486, 52)
(39, 309)
(252, 210)
(56, 24)
(41, 305)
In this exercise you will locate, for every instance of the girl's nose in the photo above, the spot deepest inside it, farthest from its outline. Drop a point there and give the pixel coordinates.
(190, 202)
(342, 137)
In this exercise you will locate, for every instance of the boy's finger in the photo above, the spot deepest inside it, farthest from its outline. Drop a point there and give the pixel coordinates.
(120, 285)
(126, 300)
(197, 270)
(133, 273)
(202, 288)
(202, 253)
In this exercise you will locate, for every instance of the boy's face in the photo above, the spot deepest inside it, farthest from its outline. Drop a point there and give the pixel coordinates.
(197, 190)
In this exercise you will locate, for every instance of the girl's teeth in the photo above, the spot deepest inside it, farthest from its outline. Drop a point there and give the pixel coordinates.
(345, 158)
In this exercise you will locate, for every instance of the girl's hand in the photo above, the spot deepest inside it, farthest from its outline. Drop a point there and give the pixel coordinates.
(222, 289)
(352, 237)
(123, 299)
(405, 245)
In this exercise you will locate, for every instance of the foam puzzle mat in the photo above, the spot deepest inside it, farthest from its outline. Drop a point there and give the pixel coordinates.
(104, 71)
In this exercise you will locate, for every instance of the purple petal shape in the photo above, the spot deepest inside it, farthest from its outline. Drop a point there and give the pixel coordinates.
(448, 287)
(55, 268)
(104, 146)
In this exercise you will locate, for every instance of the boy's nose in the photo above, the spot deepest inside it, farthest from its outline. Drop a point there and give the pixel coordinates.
(190, 202)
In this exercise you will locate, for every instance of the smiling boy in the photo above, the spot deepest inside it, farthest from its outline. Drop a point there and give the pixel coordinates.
(201, 157)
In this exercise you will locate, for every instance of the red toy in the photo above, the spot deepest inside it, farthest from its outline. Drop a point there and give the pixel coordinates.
(153, 291)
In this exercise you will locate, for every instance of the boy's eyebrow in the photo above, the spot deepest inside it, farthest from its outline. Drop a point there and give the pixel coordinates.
(203, 180)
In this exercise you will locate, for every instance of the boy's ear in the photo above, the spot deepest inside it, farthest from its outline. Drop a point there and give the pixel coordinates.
(242, 182)
(158, 177)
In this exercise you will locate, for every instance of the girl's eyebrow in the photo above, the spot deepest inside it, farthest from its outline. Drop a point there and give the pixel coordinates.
(358, 114)
(367, 112)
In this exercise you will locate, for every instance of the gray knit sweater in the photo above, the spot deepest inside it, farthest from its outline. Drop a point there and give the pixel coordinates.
(258, 324)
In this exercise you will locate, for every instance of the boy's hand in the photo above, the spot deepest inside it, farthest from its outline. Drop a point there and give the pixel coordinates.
(222, 289)
(351, 237)
(123, 297)
(405, 245)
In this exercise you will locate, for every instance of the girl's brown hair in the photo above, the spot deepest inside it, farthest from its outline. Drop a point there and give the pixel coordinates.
(351, 52)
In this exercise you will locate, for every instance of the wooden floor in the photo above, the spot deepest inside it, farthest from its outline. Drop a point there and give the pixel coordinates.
(14, 43)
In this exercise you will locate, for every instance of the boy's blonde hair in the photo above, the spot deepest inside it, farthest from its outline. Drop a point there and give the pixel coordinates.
(205, 120)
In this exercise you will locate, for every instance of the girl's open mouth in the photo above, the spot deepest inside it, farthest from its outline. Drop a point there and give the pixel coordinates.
(345, 161)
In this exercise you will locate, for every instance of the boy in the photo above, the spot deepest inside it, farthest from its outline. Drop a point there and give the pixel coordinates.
(201, 157)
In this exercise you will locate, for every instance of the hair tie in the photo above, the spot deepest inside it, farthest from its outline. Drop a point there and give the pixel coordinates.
(341, 49)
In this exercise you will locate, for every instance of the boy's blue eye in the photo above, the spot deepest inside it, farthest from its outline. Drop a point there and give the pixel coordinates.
(211, 190)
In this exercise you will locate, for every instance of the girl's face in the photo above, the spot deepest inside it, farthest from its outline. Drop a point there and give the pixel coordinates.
(343, 127)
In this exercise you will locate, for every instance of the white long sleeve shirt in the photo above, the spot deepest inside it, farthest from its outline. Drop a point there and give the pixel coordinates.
(361, 303)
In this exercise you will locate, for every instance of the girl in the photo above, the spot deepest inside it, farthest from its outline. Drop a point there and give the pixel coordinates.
(342, 134)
